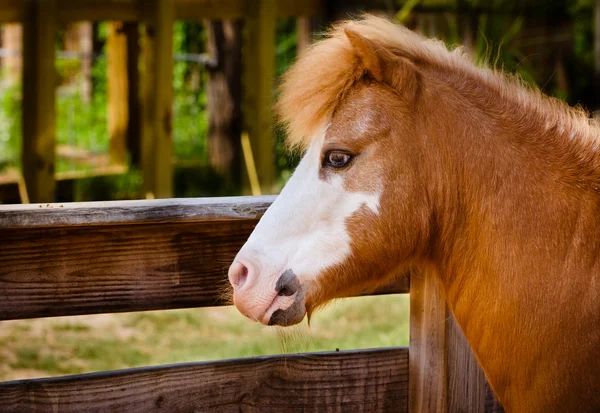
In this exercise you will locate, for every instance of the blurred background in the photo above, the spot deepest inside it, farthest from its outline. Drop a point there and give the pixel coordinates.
(130, 99)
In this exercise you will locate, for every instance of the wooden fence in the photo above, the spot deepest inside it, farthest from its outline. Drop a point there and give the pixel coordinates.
(41, 19)
(106, 257)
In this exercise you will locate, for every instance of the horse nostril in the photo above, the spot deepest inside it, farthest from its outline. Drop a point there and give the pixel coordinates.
(238, 274)
(286, 291)
(287, 284)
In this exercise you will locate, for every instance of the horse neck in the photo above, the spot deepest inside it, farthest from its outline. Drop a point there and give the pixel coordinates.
(515, 235)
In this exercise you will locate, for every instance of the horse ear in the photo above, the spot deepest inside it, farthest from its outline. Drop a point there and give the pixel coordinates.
(366, 52)
(398, 72)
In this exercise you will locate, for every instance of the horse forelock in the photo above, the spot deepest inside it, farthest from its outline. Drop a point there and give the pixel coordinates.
(312, 88)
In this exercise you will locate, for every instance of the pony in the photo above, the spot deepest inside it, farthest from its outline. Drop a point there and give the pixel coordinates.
(417, 158)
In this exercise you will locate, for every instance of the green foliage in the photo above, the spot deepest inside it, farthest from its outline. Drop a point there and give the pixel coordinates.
(10, 125)
(83, 124)
(190, 132)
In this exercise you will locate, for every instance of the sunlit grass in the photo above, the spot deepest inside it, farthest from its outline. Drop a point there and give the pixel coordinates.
(65, 345)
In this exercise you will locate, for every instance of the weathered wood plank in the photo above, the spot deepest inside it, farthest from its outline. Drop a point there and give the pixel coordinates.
(72, 270)
(39, 100)
(157, 103)
(492, 405)
(96, 257)
(445, 376)
(428, 364)
(356, 381)
(466, 381)
(138, 212)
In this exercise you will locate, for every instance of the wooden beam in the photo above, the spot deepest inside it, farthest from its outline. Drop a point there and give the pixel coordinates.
(92, 214)
(292, 8)
(210, 9)
(104, 257)
(359, 380)
(12, 11)
(39, 101)
(100, 10)
(444, 374)
(259, 58)
(237, 9)
(134, 128)
(157, 102)
(427, 349)
(118, 91)
(466, 381)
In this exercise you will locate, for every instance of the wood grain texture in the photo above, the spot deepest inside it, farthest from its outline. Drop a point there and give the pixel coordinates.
(128, 256)
(466, 381)
(428, 358)
(75, 270)
(492, 405)
(353, 381)
(445, 375)
(133, 212)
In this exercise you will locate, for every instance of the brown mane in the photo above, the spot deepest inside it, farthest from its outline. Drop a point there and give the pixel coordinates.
(312, 88)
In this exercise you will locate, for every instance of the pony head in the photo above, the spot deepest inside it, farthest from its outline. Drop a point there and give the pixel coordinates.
(353, 214)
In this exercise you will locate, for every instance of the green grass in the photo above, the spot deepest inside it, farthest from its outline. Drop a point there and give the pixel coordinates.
(66, 345)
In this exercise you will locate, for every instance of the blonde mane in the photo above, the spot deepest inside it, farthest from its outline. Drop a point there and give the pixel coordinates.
(313, 86)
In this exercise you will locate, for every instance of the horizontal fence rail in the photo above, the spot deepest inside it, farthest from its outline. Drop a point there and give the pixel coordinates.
(106, 257)
(358, 381)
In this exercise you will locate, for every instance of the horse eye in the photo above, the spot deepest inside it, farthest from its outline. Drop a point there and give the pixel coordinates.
(337, 159)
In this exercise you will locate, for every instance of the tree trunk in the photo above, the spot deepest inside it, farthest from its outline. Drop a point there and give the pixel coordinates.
(86, 40)
(224, 99)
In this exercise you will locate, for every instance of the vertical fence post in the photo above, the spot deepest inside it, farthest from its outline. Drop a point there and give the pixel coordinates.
(444, 376)
(157, 103)
(134, 139)
(39, 99)
(259, 80)
(427, 366)
(118, 91)
(123, 92)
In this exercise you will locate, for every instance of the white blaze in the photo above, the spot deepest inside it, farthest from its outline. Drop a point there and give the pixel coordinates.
(305, 228)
